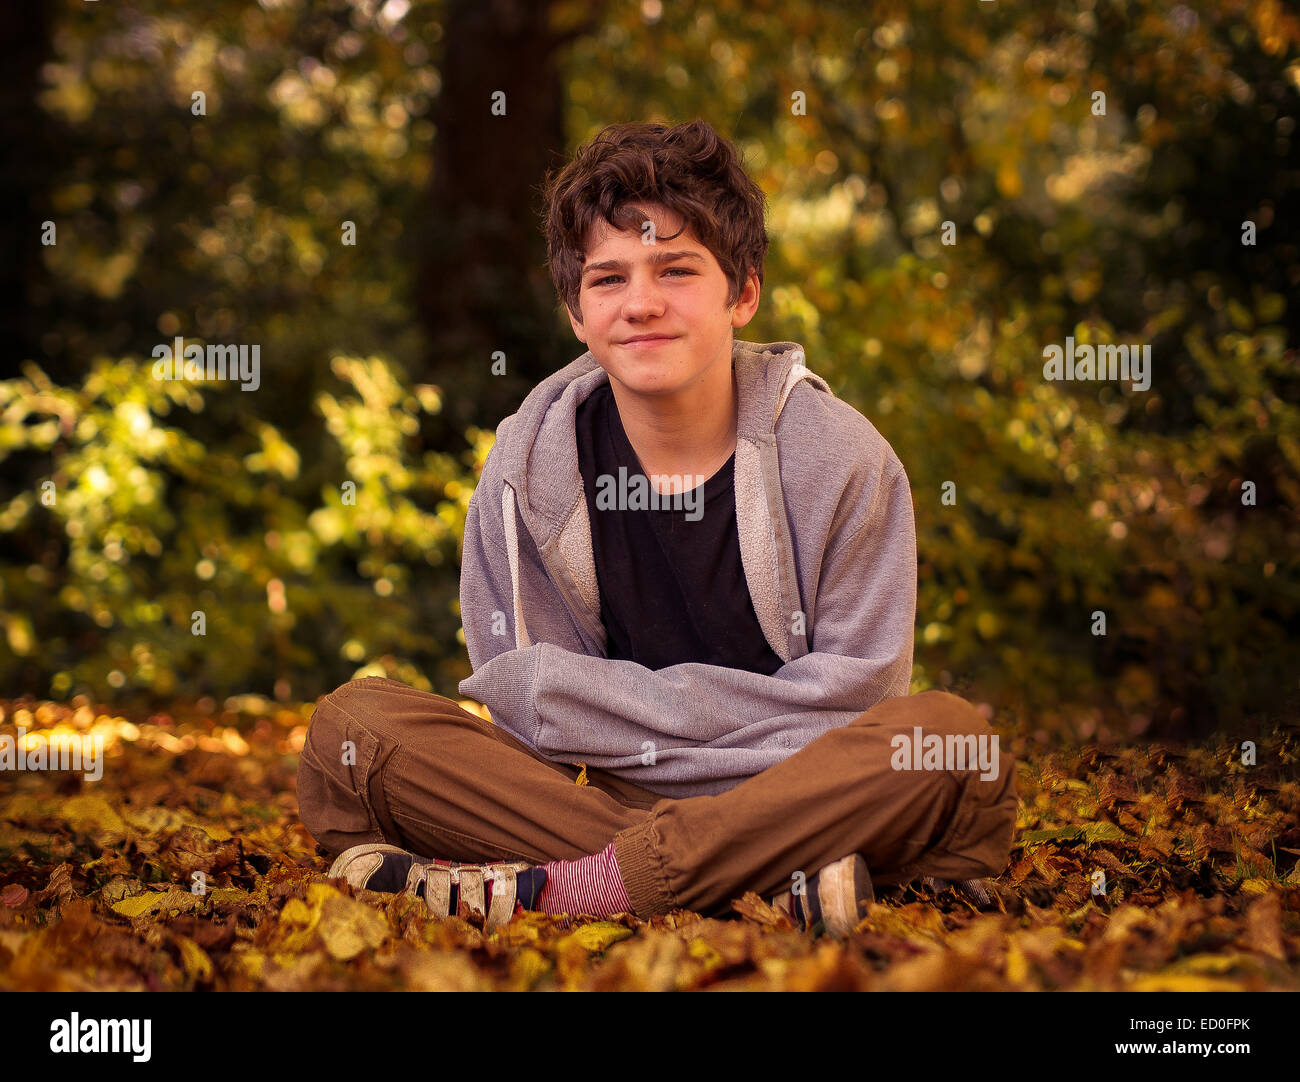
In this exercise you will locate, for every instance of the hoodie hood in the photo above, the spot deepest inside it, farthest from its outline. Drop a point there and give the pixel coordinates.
(541, 491)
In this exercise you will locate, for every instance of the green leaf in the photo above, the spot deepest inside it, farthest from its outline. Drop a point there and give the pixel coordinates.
(1103, 831)
(1055, 834)
(1100, 831)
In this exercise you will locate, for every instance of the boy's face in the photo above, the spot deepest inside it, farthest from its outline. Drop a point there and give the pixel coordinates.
(674, 288)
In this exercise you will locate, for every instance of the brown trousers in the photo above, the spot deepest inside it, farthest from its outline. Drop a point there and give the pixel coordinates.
(426, 775)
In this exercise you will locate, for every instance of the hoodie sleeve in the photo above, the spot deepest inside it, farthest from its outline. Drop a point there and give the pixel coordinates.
(696, 728)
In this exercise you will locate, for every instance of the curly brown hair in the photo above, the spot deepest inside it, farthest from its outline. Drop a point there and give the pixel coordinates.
(688, 168)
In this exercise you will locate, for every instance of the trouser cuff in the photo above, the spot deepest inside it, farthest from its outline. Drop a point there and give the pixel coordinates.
(641, 869)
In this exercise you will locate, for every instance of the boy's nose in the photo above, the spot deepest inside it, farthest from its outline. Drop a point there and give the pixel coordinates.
(643, 299)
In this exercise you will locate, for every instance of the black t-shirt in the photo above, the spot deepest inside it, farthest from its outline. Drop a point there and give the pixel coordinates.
(672, 587)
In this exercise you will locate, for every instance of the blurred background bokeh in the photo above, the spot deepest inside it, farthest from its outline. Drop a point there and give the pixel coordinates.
(1115, 172)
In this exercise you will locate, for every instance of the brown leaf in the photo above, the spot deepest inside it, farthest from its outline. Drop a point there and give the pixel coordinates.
(1113, 789)
(1181, 789)
(1076, 888)
(1211, 838)
(1053, 774)
(1255, 864)
(1046, 865)
(14, 895)
(1263, 932)
(752, 907)
(214, 936)
(918, 922)
(1108, 860)
(1156, 844)
(1162, 754)
(59, 889)
(1128, 822)
(1021, 871)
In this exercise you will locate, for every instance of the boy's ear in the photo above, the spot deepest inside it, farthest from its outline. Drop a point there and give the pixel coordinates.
(747, 303)
(577, 325)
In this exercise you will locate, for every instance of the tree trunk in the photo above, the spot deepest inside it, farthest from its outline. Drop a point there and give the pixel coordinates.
(24, 185)
(482, 284)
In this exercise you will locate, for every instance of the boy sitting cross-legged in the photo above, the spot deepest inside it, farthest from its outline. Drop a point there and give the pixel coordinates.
(689, 581)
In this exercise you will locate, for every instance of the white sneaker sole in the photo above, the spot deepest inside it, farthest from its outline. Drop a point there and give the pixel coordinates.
(842, 888)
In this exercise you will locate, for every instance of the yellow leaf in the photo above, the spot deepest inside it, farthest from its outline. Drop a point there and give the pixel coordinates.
(530, 966)
(158, 902)
(296, 930)
(250, 960)
(94, 815)
(599, 936)
(1216, 963)
(706, 953)
(153, 819)
(1182, 982)
(1017, 964)
(348, 927)
(198, 966)
(916, 923)
(139, 905)
(343, 925)
(478, 709)
(296, 911)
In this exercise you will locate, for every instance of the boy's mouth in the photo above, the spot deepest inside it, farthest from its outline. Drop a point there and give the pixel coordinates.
(647, 342)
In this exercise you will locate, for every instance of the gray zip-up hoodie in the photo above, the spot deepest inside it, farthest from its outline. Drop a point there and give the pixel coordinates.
(828, 544)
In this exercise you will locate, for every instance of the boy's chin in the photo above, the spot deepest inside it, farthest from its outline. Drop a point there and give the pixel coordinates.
(649, 384)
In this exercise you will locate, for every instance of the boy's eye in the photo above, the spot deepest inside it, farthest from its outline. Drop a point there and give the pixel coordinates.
(611, 277)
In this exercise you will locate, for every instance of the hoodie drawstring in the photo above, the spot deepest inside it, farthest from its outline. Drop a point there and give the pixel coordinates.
(522, 639)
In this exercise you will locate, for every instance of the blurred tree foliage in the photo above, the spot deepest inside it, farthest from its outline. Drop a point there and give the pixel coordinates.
(192, 568)
(1096, 162)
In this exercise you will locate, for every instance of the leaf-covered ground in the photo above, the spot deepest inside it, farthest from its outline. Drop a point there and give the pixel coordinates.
(98, 891)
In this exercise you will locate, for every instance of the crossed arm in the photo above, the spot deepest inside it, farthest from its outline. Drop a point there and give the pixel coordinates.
(695, 723)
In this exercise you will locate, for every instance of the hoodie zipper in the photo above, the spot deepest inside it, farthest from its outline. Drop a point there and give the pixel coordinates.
(559, 573)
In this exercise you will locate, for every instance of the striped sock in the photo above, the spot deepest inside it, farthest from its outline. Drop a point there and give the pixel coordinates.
(590, 885)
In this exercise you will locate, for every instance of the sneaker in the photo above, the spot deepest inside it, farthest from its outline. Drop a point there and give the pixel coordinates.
(972, 890)
(497, 890)
(833, 899)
